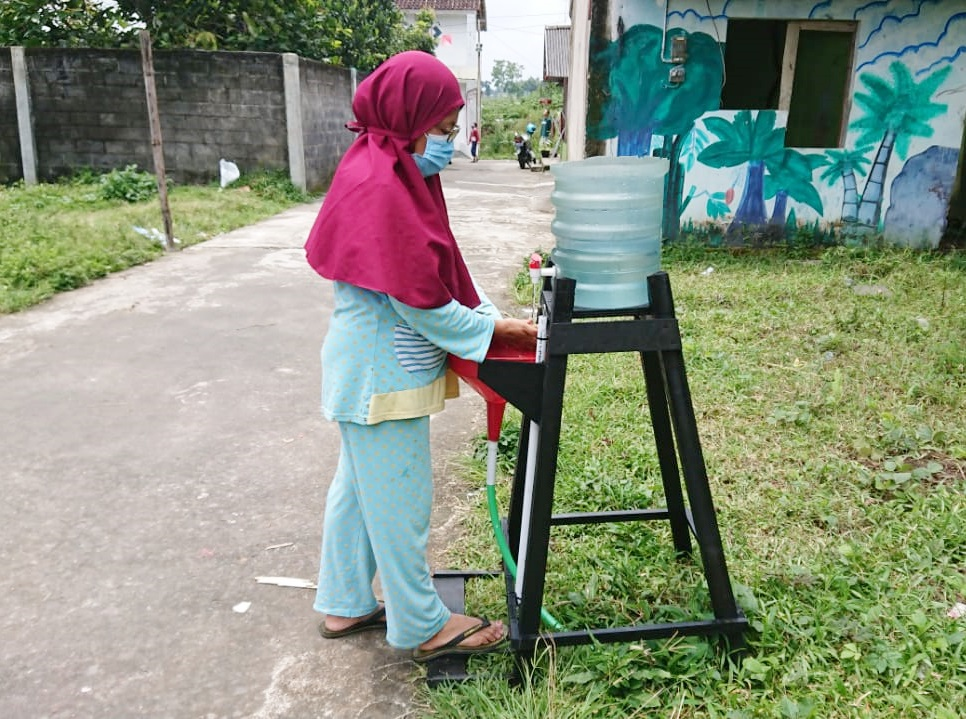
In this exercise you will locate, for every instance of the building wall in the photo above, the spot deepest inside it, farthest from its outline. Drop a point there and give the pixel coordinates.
(456, 48)
(90, 111)
(457, 44)
(891, 177)
(456, 41)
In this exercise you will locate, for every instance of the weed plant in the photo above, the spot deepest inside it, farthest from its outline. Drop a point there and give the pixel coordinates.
(57, 237)
(830, 392)
(129, 184)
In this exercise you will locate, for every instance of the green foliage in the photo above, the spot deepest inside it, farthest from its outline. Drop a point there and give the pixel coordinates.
(369, 31)
(129, 184)
(418, 36)
(351, 33)
(831, 426)
(505, 116)
(64, 23)
(506, 75)
(274, 186)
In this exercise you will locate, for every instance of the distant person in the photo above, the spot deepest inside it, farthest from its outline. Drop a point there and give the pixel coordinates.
(546, 125)
(546, 133)
(475, 142)
(403, 299)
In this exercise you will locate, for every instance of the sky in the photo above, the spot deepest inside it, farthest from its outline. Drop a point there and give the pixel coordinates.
(515, 32)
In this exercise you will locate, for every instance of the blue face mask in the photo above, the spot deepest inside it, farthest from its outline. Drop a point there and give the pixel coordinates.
(436, 156)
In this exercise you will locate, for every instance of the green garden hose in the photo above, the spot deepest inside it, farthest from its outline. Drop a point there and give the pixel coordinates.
(546, 616)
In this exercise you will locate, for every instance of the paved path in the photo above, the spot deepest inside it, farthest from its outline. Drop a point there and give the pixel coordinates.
(162, 447)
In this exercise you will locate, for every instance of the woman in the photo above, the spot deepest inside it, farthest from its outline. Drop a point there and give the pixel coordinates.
(403, 300)
(475, 142)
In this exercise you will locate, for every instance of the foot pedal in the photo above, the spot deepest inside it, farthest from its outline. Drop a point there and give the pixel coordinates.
(451, 587)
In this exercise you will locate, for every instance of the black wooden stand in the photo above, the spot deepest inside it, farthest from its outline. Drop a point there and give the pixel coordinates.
(537, 390)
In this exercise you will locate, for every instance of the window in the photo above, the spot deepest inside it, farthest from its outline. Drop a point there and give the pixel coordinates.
(801, 67)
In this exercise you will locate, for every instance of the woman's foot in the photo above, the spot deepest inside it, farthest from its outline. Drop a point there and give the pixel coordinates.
(478, 634)
(334, 626)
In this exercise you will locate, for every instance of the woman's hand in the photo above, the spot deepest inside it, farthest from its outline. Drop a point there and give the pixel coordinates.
(521, 334)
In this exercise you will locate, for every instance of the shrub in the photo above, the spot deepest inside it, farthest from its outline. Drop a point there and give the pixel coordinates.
(273, 185)
(129, 184)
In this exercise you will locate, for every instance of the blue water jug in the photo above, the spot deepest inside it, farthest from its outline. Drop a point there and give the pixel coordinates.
(607, 227)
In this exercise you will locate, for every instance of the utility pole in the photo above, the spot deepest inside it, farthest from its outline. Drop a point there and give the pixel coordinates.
(157, 148)
(479, 79)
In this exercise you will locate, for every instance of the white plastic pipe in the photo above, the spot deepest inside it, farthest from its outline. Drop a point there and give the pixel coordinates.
(533, 444)
(491, 448)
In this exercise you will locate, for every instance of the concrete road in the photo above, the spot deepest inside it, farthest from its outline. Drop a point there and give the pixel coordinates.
(161, 447)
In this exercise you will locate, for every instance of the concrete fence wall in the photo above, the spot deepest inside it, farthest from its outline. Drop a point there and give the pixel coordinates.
(9, 143)
(80, 108)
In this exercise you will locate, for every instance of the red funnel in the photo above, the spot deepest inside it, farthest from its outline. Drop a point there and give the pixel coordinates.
(467, 370)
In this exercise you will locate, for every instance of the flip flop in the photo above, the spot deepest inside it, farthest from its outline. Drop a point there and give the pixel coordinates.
(376, 620)
(452, 647)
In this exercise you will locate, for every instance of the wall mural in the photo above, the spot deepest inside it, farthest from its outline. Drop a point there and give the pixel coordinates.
(895, 112)
(757, 144)
(908, 97)
(642, 104)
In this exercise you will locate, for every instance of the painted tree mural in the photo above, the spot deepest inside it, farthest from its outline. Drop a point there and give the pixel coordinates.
(754, 142)
(792, 179)
(640, 102)
(842, 165)
(895, 113)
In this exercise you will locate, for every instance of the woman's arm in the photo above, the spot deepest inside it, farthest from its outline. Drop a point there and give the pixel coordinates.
(463, 332)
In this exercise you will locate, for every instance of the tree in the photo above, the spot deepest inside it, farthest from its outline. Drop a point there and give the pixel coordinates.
(369, 31)
(352, 33)
(506, 75)
(894, 113)
(266, 25)
(62, 23)
(418, 36)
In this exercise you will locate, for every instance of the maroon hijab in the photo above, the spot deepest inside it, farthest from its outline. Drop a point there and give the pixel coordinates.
(383, 226)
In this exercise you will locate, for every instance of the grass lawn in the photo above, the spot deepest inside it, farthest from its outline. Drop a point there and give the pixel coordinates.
(56, 237)
(830, 393)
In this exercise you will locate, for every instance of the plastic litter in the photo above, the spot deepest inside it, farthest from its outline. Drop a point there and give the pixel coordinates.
(153, 234)
(228, 171)
(287, 582)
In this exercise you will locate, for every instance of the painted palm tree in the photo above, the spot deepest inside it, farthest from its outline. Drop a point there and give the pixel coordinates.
(895, 113)
(754, 142)
(843, 164)
(792, 179)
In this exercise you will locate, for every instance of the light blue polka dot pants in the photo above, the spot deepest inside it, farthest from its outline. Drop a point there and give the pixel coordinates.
(377, 515)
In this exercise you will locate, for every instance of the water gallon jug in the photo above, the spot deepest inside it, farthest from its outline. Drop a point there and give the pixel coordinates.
(608, 227)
